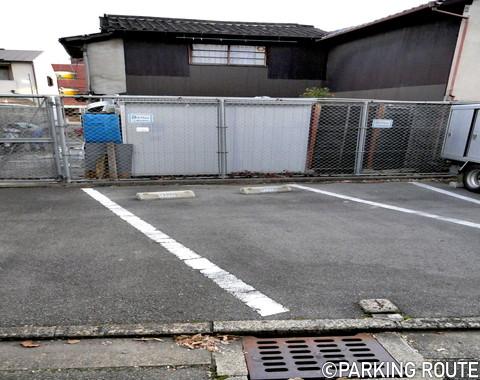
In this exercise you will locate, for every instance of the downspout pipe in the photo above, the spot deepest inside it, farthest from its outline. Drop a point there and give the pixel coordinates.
(87, 68)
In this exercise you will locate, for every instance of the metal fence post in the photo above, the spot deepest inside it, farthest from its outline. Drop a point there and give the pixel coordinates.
(50, 104)
(222, 139)
(362, 134)
(63, 143)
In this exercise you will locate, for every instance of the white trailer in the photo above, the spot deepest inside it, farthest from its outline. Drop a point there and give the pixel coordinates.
(462, 143)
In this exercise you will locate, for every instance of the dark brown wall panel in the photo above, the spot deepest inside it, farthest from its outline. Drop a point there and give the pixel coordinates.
(151, 57)
(417, 52)
(219, 81)
(297, 62)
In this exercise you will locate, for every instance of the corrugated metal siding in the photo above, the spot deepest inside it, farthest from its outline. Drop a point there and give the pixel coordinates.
(182, 140)
(267, 138)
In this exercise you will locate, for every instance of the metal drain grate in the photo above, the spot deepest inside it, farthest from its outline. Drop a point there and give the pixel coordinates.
(284, 358)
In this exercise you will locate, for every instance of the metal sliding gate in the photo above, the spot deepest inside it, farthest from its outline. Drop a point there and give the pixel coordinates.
(127, 137)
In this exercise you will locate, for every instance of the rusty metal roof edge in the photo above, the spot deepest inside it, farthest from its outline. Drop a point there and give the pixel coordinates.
(429, 5)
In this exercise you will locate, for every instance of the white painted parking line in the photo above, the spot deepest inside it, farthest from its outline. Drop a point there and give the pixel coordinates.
(390, 207)
(256, 300)
(449, 193)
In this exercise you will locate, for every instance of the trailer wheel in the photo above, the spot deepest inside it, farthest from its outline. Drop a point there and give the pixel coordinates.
(471, 179)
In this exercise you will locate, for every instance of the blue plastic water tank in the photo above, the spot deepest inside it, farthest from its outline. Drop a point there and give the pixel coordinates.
(101, 127)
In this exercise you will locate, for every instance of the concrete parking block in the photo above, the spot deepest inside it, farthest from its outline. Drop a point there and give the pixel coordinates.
(265, 189)
(378, 306)
(166, 195)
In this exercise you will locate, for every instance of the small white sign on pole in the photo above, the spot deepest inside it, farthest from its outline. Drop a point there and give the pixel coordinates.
(382, 123)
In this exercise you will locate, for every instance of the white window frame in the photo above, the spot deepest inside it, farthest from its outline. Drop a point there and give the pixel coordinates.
(228, 55)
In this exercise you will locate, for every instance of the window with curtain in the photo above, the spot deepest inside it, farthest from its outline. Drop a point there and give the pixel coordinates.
(207, 54)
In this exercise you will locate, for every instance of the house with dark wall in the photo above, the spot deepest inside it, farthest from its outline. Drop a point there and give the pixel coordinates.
(430, 52)
(411, 55)
(163, 56)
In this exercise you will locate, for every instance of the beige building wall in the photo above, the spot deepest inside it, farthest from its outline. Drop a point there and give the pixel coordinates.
(465, 85)
(106, 67)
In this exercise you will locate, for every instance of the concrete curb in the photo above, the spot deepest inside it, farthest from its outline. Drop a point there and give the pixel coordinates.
(343, 325)
(262, 327)
(228, 181)
(147, 329)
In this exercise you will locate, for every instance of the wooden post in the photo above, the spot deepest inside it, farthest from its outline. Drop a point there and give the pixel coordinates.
(375, 137)
(314, 120)
(112, 161)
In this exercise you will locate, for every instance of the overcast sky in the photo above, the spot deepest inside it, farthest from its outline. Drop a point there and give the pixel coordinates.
(37, 25)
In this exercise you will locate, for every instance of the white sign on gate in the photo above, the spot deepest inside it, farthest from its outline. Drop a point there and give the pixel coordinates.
(140, 118)
(382, 123)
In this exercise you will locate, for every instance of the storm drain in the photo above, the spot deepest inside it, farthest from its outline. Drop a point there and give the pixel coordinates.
(284, 358)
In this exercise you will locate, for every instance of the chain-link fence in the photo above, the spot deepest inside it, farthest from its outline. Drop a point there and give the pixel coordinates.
(412, 143)
(334, 137)
(375, 137)
(122, 137)
(27, 144)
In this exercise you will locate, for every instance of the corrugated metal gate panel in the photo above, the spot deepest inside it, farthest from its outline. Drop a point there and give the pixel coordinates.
(180, 139)
(267, 138)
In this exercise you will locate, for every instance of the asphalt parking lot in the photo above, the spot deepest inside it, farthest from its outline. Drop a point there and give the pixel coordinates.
(67, 259)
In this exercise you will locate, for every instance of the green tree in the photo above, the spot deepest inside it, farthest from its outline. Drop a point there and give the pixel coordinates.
(317, 92)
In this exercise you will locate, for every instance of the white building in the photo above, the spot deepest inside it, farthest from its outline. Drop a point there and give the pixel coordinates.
(26, 72)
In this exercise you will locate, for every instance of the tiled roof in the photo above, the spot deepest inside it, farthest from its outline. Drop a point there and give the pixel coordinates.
(114, 23)
(19, 55)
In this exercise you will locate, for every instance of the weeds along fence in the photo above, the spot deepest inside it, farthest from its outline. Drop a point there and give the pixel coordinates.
(124, 137)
